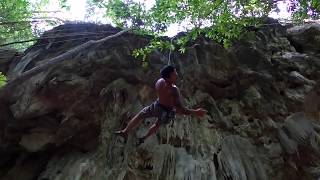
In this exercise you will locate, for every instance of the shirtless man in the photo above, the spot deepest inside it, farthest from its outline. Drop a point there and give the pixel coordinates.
(164, 108)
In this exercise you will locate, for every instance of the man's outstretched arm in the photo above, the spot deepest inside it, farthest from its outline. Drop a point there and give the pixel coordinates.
(183, 110)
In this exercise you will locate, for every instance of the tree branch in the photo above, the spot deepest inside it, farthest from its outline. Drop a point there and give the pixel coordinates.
(54, 37)
(46, 11)
(18, 42)
(34, 20)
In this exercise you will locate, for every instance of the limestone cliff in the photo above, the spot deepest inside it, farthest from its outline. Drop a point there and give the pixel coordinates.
(262, 95)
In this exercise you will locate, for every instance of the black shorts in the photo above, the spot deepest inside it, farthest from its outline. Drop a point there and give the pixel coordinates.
(165, 115)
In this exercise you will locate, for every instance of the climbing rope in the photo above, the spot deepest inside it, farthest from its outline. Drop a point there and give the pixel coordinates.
(169, 63)
(169, 59)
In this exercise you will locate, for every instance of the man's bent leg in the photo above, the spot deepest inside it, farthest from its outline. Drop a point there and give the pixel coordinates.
(131, 124)
(146, 112)
(152, 130)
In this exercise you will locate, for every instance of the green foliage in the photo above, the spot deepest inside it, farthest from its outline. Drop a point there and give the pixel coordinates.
(63, 4)
(154, 44)
(222, 21)
(14, 15)
(3, 80)
(305, 9)
(17, 17)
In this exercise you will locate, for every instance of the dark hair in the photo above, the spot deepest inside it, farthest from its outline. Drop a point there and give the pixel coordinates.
(166, 71)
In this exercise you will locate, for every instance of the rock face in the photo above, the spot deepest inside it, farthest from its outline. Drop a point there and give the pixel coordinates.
(306, 38)
(262, 96)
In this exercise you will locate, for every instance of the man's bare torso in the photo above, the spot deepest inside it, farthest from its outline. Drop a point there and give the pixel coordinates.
(166, 93)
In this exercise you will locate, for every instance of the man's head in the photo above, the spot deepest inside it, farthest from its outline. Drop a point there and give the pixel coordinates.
(169, 73)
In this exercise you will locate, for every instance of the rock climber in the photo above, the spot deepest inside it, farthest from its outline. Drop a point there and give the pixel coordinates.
(165, 107)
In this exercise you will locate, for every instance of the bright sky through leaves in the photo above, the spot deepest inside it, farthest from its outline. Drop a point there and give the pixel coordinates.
(78, 12)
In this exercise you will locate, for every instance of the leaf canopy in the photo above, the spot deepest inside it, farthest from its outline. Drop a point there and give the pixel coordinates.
(220, 20)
